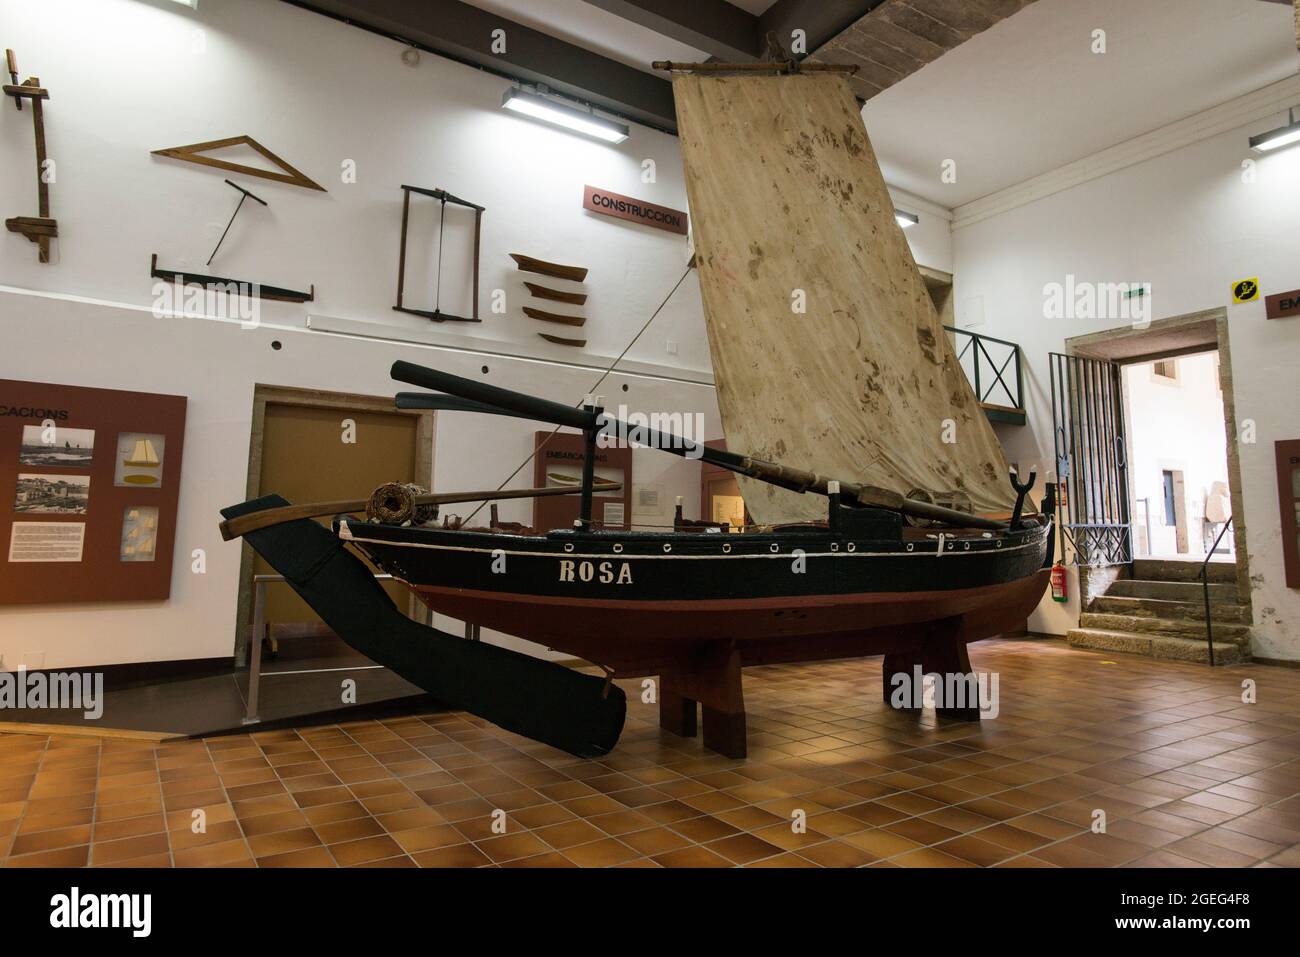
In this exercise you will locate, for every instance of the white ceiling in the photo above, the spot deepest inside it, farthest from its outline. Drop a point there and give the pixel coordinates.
(1025, 96)
(1028, 95)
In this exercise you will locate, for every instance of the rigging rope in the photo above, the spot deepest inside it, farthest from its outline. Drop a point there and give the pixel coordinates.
(595, 385)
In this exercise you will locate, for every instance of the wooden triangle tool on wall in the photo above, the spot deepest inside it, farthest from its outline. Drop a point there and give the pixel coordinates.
(193, 154)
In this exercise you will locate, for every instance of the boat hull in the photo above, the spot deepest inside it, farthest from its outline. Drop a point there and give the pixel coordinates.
(636, 602)
(696, 608)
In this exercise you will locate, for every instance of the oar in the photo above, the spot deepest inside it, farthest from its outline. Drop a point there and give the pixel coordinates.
(235, 527)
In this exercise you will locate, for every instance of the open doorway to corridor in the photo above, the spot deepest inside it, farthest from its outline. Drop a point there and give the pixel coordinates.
(1175, 414)
(1177, 458)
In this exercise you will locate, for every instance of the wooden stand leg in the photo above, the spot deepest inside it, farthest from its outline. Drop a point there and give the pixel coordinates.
(723, 702)
(677, 713)
(725, 732)
(714, 681)
(942, 652)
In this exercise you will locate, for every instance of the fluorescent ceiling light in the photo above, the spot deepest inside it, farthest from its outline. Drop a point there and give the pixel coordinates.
(906, 219)
(549, 111)
(1276, 139)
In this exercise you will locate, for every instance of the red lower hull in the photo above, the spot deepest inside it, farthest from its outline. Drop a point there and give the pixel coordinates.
(649, 637)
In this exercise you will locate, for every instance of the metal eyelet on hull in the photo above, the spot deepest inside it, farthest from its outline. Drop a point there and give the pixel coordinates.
(726, 548)
(835, 546)
(910, 546)
(568, 546)
(667, 547)
(852, 547)
(774, 548)
(618, 549)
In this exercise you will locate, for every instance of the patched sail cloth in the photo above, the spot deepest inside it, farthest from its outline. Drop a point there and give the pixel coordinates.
(788, 202)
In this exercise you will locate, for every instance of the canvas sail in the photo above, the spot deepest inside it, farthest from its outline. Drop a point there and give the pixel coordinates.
(789, 208)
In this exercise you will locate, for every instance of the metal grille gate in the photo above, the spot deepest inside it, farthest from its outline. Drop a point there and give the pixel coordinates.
(1091, 466)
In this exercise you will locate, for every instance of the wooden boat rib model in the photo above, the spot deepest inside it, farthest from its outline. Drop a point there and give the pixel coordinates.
(555, 295)
(574, 273)
(543, 268)
(556, 317)
(834, 570)
(561, 340)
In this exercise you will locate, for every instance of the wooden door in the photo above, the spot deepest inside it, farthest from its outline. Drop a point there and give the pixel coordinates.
(315, 454)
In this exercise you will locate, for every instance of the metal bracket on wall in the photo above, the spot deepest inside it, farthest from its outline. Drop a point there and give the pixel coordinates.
(443, 197)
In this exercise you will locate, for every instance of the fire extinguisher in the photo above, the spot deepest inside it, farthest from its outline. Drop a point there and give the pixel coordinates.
(1059, 590)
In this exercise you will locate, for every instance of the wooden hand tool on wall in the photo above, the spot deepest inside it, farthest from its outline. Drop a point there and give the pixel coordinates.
(41, 228)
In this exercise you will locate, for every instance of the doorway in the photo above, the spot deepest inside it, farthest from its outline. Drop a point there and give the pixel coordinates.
(314, 446)
(1178, 458)
(1161, 364)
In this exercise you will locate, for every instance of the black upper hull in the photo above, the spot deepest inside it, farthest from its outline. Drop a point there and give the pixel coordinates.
(676, 567)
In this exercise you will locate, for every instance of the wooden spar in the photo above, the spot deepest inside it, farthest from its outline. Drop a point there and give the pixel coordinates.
(497, 400)
(252, 522)
(765, 66)
(778, 61)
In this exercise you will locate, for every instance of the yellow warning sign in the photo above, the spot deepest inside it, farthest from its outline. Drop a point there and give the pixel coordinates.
(1245, 290)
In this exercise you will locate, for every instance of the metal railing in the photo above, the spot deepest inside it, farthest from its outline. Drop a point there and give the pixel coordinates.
(1205, 586)
(992, 362)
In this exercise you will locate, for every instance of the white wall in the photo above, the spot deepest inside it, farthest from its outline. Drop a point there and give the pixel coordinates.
(130, 76)
(1187, 223)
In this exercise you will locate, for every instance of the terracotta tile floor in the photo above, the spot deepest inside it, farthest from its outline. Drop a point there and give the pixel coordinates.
(1186, 773)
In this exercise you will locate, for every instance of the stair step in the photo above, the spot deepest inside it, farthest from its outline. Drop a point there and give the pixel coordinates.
(1220, 592)
(1172, 627)
(1155, 646)
(1152, 569)
(1161, 608)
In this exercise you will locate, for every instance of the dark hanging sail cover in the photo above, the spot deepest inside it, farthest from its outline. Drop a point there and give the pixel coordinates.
(789, 208)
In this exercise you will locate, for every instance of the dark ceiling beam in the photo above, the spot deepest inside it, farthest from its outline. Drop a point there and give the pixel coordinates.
(819, 19)
(714, 26)
(464, 33)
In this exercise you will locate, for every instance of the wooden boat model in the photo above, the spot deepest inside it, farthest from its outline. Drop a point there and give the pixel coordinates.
(694, 607)
(834, 570)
